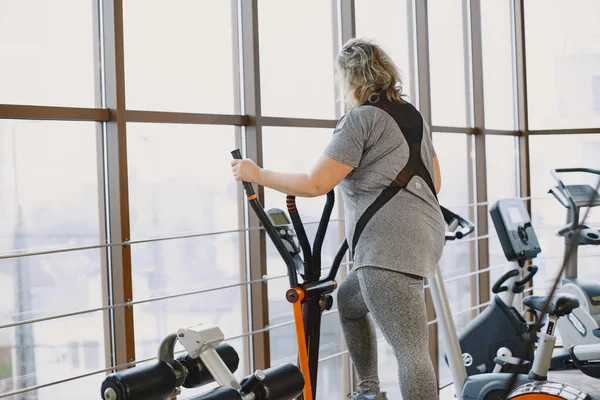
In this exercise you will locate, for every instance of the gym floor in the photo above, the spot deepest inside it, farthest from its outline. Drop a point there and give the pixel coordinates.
(575, 378)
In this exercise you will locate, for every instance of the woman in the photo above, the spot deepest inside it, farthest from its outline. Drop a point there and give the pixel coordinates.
(383, 139)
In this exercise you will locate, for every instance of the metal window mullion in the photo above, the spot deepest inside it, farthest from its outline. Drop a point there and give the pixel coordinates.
(524, 170)
(422, 33)
(298, 122)
(257, 257)
(115, 146)
(575, 131)
(424, 95)
(347, 30)
(241, 199)
(347, 20)
(413, 72)
(336, 46)
(99, 87)
(56, 113)
(344, 29)
(483, 258)
(500, 132)
(473, 243)
(470, 55)
(169, 117)
(518, 22)
(520, 68)
(453, 129)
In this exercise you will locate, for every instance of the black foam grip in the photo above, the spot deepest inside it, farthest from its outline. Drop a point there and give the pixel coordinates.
(283, 382)
(198, 374)
(155, 381)
(220, 393)
(498, 288)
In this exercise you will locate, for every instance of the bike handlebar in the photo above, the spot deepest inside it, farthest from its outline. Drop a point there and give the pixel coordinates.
(459, 226)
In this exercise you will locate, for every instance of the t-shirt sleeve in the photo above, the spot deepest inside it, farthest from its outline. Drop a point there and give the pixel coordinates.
(348, 141)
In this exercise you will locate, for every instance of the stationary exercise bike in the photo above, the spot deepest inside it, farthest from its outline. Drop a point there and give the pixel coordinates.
(207, 360)
(500, 330)
(494, 385)
(498, 338)
(580, 331)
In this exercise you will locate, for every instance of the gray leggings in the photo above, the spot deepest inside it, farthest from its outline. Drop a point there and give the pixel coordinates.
(397, 304)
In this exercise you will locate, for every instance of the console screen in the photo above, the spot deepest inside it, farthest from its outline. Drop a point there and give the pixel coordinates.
(279, 219)
(515, 215)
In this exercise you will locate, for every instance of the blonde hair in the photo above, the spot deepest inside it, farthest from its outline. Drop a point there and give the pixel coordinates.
(364, 70)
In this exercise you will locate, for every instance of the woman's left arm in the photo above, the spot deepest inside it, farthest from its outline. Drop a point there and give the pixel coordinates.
(324, 176)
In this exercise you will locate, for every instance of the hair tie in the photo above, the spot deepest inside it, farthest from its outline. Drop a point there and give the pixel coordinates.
(373, 97)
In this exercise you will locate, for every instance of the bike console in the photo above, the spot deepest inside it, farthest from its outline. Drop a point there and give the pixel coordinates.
(515, 231)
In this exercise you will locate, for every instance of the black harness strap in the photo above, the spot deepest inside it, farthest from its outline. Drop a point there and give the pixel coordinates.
(410, 122)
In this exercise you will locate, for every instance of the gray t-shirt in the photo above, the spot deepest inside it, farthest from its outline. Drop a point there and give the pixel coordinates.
(407, 233)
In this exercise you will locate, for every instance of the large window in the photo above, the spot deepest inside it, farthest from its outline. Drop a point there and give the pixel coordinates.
(180, 180)
(296, 63)
(180, 57)
(394, 38)
(450, 105)
(563, 54)
(49, 51)
(49, 197)
(498, 64)
(185, 190)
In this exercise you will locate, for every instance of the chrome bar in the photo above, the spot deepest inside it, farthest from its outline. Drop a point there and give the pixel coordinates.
(129, 304)
(448, 329)
(127, 243)
(200, 291)
(91, 310)
(35, 252)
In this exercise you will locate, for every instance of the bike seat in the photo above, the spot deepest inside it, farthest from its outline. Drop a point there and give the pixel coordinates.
(559, 305)
(597, 332)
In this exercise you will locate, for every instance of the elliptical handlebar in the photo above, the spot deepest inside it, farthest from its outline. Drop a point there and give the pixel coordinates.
(459, 226)
(322, 229)
(262, 216)
(237, 154)
(312, 257)
(300, 231)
